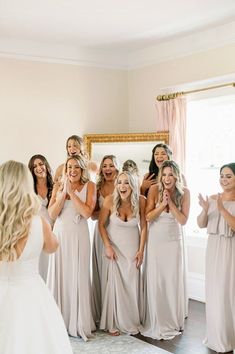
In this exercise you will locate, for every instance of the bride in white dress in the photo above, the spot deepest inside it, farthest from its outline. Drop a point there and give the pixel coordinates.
(30, 322)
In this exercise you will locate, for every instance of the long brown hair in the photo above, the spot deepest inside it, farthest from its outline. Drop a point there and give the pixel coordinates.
(49, 179)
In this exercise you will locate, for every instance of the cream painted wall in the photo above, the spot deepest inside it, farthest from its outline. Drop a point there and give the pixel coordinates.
(144, 84)
(44, 103)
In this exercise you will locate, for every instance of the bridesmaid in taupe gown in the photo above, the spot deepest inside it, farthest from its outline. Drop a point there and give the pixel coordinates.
(124, 242)
(43, 185)
(72, 203)
(167, 209)
(160, 153)
(105, 186)
(218, 215)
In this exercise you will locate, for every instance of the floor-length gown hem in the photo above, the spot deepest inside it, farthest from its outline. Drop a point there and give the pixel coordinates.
(69, 270)
(163, 280)
(122, 293)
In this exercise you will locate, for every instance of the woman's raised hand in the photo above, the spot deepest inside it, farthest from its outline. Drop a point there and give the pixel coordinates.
(204, 203)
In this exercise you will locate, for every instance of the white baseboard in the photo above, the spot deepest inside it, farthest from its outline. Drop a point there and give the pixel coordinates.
(196, 286)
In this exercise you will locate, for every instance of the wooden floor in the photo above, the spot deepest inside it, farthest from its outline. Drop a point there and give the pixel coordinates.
(190, 342)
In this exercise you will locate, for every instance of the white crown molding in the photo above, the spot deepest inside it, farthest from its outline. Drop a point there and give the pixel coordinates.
(184, 46)
(120, 59)
(61, 53)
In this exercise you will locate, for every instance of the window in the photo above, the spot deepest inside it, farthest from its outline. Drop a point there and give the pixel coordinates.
(210, 143)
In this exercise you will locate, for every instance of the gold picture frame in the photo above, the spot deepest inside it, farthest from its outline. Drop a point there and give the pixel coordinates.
(89, 139)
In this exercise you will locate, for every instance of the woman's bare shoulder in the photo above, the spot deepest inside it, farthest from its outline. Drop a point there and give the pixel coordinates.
(154, 189)
(142, 198)
(59, 168)
(59, 172)
(91, 184)
(142, 201)
(186, 190)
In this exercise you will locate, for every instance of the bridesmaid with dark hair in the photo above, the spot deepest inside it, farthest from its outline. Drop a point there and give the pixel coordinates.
(218, 215)
(43, 185)
(160, 153)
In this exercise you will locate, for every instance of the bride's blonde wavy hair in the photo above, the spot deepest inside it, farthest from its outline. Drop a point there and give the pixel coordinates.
(18, 205)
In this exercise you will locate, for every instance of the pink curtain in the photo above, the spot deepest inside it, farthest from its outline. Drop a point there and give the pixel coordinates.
(171, 116)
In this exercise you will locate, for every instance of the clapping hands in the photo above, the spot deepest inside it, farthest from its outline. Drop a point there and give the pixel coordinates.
(204, 203)
(166, 197)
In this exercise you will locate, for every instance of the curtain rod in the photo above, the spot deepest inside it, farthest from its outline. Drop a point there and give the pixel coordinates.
(169, 96)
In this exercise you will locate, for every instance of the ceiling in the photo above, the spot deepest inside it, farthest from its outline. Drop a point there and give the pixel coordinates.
(73, 29)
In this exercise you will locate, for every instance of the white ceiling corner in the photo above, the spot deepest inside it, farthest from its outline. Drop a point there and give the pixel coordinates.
(123, 34)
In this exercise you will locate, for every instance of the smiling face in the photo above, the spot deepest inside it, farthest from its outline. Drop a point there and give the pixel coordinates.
(123, 187)
(168, 178)
(227, 179)
(160, 156)
(73, 148)
(39, 168)
(74, 171)
(108, 170)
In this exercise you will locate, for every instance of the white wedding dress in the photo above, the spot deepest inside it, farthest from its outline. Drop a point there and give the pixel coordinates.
(30, 322)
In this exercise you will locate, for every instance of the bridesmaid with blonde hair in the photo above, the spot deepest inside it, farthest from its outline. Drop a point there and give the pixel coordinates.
(123, 229)
(72, 203)
(108, 171)
(74, 146)
(167, 209)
